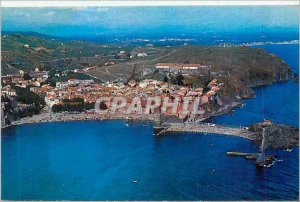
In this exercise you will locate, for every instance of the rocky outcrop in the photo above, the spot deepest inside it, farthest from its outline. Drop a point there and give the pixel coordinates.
(278, 136)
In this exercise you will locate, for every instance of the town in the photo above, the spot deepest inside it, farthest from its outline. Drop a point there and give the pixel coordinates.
(81, 95)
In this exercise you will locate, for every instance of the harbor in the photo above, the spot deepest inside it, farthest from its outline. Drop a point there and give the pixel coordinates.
(176, 102)
(195, 158)
(268, 132)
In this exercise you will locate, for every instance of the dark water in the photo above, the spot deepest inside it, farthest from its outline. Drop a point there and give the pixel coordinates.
(96, 160)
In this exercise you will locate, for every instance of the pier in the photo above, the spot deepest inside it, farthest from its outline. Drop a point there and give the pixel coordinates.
(208, 128)
(261, 159)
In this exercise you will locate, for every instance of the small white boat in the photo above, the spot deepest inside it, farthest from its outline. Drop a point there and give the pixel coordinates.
(288, 150)
(135, 181)
(127, 124)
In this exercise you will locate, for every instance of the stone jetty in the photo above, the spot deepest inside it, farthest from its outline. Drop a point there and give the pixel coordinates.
(210, 128)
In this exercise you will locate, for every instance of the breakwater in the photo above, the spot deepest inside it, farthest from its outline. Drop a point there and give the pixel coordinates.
(210, 128)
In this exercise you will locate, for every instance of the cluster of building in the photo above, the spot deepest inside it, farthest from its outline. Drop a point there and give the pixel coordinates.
(8, 91)
(74, 82)
(178, 68)
(36, 78)
(90, 92)
(85, 69)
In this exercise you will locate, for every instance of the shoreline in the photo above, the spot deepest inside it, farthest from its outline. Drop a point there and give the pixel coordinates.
(45, 117)
(81, 116)
(202, 128)
(48, 117)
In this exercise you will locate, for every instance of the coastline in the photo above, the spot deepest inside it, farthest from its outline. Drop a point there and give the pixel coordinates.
(202, 128)
(81, 116)
(66, 117)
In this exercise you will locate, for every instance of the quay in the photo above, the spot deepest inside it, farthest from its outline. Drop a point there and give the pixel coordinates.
(208, 128)
(238, 154)
(261, 159)
(267, 160)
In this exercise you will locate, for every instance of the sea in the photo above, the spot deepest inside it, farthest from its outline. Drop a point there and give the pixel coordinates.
(112, 160)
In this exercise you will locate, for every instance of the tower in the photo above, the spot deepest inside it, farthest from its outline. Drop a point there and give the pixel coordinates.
(261, 156)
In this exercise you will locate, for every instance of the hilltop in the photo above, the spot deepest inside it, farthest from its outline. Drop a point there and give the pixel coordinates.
(240, 67)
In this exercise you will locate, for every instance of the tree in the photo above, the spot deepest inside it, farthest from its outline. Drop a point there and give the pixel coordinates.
(165, 79)
(128, 56)
(179, 79)
(103, 106)
(74, 105)
(26, 76)
(28, 97)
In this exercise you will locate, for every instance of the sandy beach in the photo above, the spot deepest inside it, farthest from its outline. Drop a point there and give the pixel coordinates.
(202, 128)
(65, 116)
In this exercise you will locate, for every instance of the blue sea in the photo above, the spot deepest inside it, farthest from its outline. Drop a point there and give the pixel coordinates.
(99, 160)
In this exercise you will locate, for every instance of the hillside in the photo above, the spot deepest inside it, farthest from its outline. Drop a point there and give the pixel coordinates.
(254, 66)
(238, 67)
(26, 52)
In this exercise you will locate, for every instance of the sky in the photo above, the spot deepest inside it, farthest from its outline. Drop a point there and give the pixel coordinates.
(67, 21)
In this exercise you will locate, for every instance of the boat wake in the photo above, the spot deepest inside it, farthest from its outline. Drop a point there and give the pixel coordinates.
(269, 165)
(273, 162)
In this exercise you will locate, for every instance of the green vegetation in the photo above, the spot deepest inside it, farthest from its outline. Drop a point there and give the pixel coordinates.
(27, 52)
(29, 104)
(26, 76)
(74, 105)
(8, 107)
(251, 65)
(237, 67)
(278, 136)
(25, 96)
(71, 75)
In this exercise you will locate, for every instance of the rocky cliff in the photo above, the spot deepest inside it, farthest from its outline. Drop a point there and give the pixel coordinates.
(279, 136)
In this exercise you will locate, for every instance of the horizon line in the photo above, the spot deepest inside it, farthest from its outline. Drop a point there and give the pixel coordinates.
(140, 3)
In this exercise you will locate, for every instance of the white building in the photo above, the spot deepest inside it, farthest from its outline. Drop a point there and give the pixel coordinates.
(8, 91)
(141, 54)
(73, 81)
(61, 84)
(51, 100)
(86, 82)
(177, 66)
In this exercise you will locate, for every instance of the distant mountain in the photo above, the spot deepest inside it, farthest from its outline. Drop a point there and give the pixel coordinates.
(29, 34)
